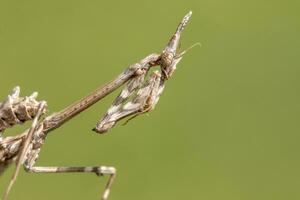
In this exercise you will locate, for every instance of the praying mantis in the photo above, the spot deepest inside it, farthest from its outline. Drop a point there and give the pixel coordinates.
(139, 95)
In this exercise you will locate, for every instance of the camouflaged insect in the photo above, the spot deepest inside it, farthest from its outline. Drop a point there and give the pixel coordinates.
(137, 97)
(16, 110)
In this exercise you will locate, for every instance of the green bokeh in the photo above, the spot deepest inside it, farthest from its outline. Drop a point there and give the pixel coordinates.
(226, 128)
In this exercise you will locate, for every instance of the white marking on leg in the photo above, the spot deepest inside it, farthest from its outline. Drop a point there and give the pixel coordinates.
(125, 93)
(105, 194)
(88, 169)
(113, 109)
(130, 106)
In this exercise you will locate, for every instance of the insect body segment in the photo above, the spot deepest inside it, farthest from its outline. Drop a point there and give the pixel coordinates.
(131, 86)
(143, 101)
(140, 70)
(170, 52)
(17, 110)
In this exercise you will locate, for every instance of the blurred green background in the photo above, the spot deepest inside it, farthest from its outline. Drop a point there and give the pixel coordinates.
(226, 128)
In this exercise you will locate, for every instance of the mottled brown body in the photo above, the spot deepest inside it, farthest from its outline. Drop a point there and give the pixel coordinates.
(16, 110)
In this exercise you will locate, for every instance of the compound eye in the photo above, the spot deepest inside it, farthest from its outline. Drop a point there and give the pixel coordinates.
(167, 59)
